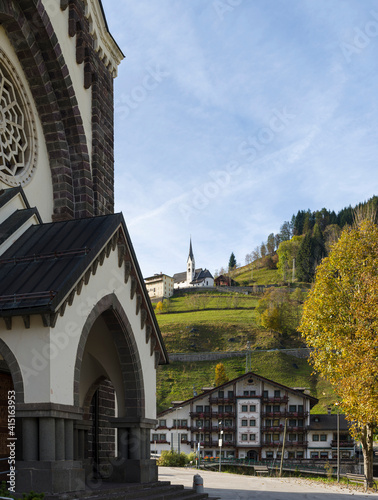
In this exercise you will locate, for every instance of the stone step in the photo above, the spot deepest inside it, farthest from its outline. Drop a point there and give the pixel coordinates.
(161, 490)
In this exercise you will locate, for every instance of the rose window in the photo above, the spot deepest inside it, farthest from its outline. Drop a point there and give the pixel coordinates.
(17, 133)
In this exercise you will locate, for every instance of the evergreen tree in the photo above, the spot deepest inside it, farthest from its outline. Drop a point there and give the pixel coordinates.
(232, 262)
(305, 260)
(318, 245)
(298, 223)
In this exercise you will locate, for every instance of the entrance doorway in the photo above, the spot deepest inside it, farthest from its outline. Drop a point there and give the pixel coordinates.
(253, 455)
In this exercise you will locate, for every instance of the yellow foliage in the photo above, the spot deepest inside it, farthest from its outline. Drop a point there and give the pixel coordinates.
(159, 307)
(220, 374)
(340, 322)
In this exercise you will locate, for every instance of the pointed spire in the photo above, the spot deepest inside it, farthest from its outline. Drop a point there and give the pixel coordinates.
(191, 256)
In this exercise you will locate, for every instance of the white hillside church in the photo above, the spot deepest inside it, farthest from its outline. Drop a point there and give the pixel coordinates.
(193, 277)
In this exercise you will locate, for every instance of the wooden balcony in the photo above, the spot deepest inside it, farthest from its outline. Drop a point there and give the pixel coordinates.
(281, 399)
(201, 414)
(343, 444)
(221, 401)
(288, 444)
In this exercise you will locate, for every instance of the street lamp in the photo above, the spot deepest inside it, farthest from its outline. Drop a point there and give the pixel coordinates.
(178, 441)
(220, 451)
(338, 441)
(338, 438)
(220, 447)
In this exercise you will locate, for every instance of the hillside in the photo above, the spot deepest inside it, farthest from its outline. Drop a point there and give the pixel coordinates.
(207, 322)
(219, 322)
(177, 381)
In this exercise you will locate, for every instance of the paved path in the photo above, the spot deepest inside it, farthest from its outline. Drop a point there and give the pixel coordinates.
(237, 487)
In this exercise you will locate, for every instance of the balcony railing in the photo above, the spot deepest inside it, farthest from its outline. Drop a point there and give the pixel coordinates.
(301, 444)
(296, 429)
(276, 428)
(343, 444)
(283, 414)
(281, 399)
(201, 414)
(225, 428)
(202, 429)
(217, 400)
(213, 444)
(224, 414)
(160, 441)
(273, 414)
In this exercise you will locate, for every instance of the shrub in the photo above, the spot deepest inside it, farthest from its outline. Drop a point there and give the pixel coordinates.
(172, 459)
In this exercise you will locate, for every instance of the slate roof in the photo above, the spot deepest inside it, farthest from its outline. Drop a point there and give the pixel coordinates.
(42, 266)
(15, 221)
(201, 276)
(7, 194)
(179, 277)
(328, 422)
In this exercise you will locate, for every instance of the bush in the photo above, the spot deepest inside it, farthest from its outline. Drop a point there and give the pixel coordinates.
(173, 459)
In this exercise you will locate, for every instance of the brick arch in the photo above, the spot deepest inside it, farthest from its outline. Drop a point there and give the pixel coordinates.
(120, 329)
(15, 371)
(88, 398)
(30, 31)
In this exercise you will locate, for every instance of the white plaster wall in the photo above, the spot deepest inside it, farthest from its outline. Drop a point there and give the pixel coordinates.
(31, 349)
(248, 416)
(39, 190)
(59, 20)
(48, 355)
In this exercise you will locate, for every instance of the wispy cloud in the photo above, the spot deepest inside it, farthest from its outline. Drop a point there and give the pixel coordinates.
(223, 77)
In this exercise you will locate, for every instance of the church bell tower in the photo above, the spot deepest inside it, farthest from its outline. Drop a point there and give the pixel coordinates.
(191, 265)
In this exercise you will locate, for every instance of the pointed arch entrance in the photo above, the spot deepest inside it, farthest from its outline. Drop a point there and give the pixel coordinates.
(108, 359)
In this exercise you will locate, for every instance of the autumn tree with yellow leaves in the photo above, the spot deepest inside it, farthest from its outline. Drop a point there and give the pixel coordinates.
(220, 374)
(340, 322)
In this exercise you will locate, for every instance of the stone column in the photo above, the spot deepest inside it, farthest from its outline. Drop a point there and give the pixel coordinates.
(69, 439)
(123, 443)
(47, 439)
(47, 448)
(30, 438)
(59, 440)
(134, 463)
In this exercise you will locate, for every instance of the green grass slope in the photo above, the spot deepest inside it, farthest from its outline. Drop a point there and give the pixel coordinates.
(212, 328)
(176, 381)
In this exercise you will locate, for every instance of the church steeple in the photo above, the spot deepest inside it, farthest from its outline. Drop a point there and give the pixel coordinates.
(191, 265)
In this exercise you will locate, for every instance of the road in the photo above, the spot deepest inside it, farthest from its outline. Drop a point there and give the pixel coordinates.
(236, 487)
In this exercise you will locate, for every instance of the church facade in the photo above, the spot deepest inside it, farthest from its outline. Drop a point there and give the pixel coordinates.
(193, 277)
(79, 342)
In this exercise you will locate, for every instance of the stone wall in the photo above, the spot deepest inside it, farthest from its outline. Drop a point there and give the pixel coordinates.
(213, 356)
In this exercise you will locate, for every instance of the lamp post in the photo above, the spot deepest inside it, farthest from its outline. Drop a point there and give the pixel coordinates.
(338, 441)
(220, 450)
(337, 438)
(178, 441)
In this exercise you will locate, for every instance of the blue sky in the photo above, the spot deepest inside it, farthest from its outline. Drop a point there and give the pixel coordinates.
(231, 115)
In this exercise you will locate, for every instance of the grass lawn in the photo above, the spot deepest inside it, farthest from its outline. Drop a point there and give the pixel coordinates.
(176, 381)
